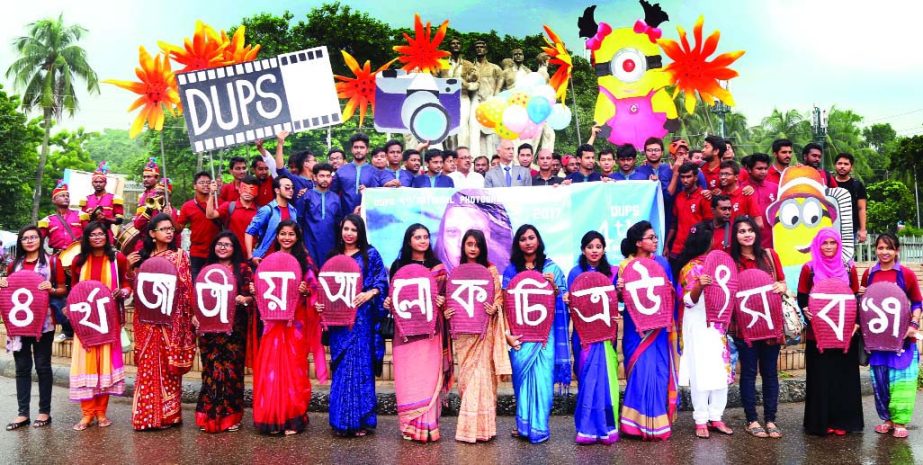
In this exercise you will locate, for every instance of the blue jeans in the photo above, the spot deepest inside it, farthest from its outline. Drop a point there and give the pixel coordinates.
(57, 305)
(765, 357)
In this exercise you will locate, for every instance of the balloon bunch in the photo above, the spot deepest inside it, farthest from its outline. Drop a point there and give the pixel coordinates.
(520, 112)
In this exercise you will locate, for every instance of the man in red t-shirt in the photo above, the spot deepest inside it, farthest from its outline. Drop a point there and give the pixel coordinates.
(689, 208)
(264, 192)
(782, 152)
(712, 150)
(740, 204)
(238, 167)
(721, 220)
(203, 230)
(236, 215)
(765, 192)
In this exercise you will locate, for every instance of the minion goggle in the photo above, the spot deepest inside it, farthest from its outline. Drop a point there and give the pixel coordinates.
(629, 65)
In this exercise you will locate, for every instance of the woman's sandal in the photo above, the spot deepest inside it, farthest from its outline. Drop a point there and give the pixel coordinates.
(361, 433)
(83, 425)
(701, 431)
(774, 431)
(757, 431)
(900, 432)
(720, 427)
(233, 428)
(17, 424)
(41, 423)
(103, 422)
(884, 428)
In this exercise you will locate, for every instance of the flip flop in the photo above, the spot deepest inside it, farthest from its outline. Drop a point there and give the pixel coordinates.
(774, 432)
(82, 426)
(757, 431)
(105, 422)
(16, 425)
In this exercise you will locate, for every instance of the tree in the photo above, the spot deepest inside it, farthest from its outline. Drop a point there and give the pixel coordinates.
(19, 141)
(878, 136)
(889, 202)
(68, 151)
(907, 159)
(49, 63)
(844, 136)
(116, 148)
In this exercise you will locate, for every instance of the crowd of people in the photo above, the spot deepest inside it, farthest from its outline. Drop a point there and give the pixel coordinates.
(309, 209)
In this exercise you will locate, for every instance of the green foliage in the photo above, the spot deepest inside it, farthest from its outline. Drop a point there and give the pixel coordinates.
(907, 158)
(114, 147)
(68, 151)
(911, 231)
(19, 141)
(889, 202)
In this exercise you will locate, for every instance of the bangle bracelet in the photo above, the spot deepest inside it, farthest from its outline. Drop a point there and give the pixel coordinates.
(915, 324)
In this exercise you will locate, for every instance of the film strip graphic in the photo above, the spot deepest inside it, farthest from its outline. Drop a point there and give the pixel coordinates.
(299, 71)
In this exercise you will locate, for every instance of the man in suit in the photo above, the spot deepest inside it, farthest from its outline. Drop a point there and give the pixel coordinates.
(506, 173)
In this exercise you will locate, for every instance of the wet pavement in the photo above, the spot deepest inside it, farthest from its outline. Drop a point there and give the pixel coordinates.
(119, 444)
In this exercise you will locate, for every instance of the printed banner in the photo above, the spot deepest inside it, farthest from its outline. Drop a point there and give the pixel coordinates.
(562, 215)
(93, 313)
(240, 103)
(23, 305)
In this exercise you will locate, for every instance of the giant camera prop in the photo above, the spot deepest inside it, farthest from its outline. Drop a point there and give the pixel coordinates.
(426, 106)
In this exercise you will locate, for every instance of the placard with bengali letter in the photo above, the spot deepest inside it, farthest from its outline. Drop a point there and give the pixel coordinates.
(759, 309)
(215, 293)
(648, 294)
(470, 287)
(719, 295)
(340, 281)
(276, 281)
(593, 306)
(23, 305)
(884, 317)
(93, 313)
(833, 308)
(413, 301)
(155, 291)
(529, 302)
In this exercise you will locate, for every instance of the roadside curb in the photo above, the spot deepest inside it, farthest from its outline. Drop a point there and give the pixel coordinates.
(790, 390)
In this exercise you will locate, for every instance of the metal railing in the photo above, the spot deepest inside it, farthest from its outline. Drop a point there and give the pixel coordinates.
(911, 249)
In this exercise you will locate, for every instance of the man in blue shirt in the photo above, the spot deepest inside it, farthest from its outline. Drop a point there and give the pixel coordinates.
(627, 156)
(586, 172)
(656, 170)
(299, 164)
(433, 176)
(355, 176)
(394, 150)
(319, 213)
(267, 220)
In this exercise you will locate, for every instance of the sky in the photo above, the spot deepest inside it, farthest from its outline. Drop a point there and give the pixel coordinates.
(799, 53)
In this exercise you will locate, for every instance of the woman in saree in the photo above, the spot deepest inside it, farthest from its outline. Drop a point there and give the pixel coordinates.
(422, 364)
(482, 358)
(221, 399)
(833, 401)
(596, 415)
(96, 372)
(537, 366)
(163, 353)
(352, 391)
(281, 388)
(651, 358)
(705, 363)
(894, 374)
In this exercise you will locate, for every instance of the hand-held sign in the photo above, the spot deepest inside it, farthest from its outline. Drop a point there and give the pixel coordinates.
(648, 294)
(215, 290)
(413, 301)
(759, 309)
(93, 313)
(833, 305)
(530, 306)
(593, 300)
(884, 317)
(23, 305)
(470, 287)
(719, 296)
(340, 281)
(276, 281)
(155, 291)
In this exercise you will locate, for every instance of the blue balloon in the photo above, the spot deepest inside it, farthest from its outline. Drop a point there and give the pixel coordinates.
(538, 108)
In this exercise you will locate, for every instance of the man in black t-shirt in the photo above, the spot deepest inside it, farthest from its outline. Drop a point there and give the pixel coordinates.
(844, 163)
(546, 176)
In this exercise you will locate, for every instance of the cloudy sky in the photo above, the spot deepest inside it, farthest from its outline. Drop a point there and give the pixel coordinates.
(800, 53)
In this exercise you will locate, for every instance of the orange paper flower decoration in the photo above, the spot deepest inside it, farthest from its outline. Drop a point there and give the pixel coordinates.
(235, 49)
(691, 71)
(358, 90)
(205, 50)
(157, 89)
(422, 52)
(559, 56)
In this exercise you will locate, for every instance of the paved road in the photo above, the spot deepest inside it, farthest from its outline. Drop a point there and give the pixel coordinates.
(119, 444)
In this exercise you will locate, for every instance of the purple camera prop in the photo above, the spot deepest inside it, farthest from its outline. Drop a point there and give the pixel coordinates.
(426, 106)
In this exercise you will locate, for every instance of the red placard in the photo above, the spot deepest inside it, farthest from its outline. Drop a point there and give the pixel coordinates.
(215, 293)
(833, 308)
(884, 317)
(759, 310)
(593, 303)
(719, 296)
(469, 288)
(276, 281)
(529, 302)
(340, 281)
(23, 305)
(155, 291)
(93, 313)
(648, 294)
(413, 301)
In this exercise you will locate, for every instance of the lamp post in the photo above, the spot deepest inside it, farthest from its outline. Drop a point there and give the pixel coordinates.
(819, 125)
(721, 109)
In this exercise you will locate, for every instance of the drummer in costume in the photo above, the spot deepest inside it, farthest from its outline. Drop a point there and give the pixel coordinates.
(102, 206)
(62, 229)
(154, 204)
(150, 176)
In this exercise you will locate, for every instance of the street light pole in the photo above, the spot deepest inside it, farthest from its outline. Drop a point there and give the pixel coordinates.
(721, 109)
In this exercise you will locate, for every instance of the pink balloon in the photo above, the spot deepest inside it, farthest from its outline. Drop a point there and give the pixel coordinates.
(530, 131)
(515, 118)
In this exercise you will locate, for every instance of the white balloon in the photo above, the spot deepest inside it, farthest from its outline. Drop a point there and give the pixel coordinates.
(530, 81)
(545, 91)
(559, 117)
